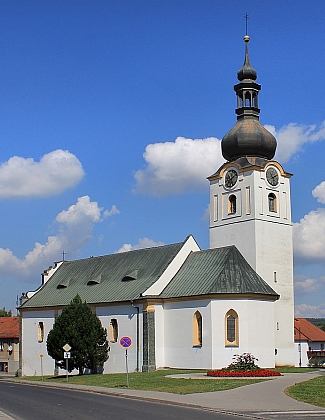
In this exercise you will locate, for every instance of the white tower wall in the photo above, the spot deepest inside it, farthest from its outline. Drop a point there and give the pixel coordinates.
(264, 238)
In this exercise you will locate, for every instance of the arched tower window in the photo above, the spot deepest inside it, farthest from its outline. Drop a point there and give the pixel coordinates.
(113, 331)
(231, 327)
(272, 202)
(197, 329)
(232, 204)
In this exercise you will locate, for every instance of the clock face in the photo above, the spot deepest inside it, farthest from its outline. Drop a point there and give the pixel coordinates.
(272, 177)
(231, 178)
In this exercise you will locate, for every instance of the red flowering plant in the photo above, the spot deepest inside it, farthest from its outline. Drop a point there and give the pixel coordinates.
(243, 365)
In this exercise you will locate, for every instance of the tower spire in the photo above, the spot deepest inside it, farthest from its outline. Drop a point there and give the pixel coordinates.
(248, 137)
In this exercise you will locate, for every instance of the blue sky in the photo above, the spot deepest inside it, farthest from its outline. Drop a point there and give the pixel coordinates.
(111, 115)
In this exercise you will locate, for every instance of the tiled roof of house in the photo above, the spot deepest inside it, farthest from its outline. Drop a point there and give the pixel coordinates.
(305, 330)
(217, 271)
(9, 327)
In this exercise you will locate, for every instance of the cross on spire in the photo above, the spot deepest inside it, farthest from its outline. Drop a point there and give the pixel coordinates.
(246, 18)
(63, 255)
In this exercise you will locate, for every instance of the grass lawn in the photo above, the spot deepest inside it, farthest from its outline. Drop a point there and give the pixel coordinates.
(288, 369)
(152, 381)
(312, 391)
(157, 381)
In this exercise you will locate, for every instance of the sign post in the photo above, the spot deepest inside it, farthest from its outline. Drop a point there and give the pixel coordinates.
(41, 357)
(67, 356)
(126, 343)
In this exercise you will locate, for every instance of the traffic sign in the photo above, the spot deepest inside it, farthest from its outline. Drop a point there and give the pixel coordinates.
(126, 342)
(67, 355)
(66, 347)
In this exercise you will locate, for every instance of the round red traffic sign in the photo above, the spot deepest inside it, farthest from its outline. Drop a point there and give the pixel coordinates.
(125, 342)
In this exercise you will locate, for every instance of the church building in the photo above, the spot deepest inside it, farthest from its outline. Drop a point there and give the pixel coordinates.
(184, 307)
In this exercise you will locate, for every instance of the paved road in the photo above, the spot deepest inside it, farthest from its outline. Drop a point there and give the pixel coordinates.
(27, 402)
(265, 400)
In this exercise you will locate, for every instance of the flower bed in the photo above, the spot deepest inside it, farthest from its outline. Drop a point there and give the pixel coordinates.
(243, 373)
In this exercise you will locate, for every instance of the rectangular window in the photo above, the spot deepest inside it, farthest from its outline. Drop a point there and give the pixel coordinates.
(40, 332)
(215, 209)
(274, 276)
(248, 201)
(113, 331)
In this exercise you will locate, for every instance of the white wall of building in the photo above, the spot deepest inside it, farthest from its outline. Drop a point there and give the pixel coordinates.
(255, 318)
(32, 349)
(301, 349)
(264, 238)
(178, 335)
(126, 316)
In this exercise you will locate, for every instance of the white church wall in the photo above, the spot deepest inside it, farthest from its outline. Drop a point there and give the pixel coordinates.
(255, 331)
(178, 335)
(264, 238)
(126, 316)
(32, 349)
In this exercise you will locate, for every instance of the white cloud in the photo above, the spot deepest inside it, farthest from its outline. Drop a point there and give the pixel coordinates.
(292, 137)
(309, 311)
(112, 212)
(319, 192)
(309, 237)
(143, 243)
(178, 167)
(53, 174)
(75, 227)
(305, 284)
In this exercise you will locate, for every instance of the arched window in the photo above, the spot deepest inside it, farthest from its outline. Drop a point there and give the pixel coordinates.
(231, 327)
(232, 204)
(40, 332)
(113, 331)
(272, 202)
(197, 329)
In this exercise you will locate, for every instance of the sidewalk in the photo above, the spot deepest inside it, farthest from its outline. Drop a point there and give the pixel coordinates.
(256, 398)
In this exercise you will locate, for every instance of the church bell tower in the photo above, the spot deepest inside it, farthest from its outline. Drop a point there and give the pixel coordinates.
(250, 206)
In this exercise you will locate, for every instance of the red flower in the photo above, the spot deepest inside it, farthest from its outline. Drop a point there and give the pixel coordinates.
(241, 373)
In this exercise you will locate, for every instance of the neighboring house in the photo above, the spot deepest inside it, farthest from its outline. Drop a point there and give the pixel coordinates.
(309, 343)
(9, 344)
(183, 307)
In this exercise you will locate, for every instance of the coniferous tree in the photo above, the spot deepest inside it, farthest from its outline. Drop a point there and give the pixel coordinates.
(83, 331)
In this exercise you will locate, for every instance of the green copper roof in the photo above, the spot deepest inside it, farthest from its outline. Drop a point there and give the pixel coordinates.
(111, 278)
(216, 271)
(125, 276)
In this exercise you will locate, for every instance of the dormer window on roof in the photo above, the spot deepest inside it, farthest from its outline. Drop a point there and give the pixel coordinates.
(95, 280)
(133, 275)
(64, 283)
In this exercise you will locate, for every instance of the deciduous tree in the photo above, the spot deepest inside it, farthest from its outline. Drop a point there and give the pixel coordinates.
(4, 313)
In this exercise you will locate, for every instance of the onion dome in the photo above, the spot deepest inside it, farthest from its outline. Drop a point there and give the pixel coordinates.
(248, 137)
